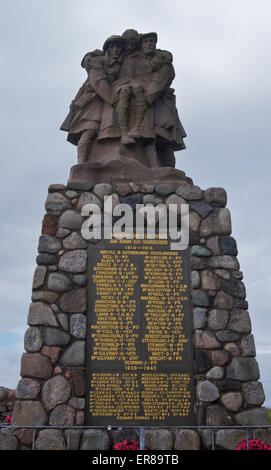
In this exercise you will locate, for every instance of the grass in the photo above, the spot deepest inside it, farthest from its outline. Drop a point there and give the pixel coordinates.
(269, 414)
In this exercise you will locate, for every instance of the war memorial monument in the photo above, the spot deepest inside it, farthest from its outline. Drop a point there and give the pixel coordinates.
(126, 329)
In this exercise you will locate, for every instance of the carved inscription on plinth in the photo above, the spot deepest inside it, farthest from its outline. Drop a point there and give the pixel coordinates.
(139, 351)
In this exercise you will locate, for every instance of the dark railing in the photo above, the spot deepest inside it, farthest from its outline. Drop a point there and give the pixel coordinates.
(141, 431)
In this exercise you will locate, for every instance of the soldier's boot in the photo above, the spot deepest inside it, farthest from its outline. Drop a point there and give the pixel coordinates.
(139, 109)
(165, 155)
(125, 138)
(82, 151)
(123, 112)
(84, 144)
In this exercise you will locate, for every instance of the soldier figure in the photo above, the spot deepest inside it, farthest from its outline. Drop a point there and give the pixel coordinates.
(127, 96)
(83, 120)
(127, 89)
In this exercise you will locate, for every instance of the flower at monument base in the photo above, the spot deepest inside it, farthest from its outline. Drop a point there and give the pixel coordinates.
(8, 419)
(253, 444)
(127, 445)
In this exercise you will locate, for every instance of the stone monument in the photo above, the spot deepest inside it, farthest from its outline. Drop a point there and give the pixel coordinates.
(129, 331)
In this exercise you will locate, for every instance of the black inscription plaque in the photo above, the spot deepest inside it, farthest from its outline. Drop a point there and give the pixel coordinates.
(139, 361)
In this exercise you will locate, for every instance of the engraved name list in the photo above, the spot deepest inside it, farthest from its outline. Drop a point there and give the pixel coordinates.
(139, 352)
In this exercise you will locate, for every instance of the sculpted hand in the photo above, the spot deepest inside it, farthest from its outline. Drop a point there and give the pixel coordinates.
(148, 99)
(74, 107)
(157, 62)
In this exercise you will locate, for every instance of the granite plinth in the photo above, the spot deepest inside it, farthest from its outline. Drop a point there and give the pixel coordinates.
(124, 170)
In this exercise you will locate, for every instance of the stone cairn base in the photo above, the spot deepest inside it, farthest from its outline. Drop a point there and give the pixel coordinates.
(52, 389)
(7, 399)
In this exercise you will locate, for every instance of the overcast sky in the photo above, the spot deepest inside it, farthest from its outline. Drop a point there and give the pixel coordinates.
(222, 60)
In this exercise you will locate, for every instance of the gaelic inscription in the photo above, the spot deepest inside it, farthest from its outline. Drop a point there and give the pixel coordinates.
(139, 352)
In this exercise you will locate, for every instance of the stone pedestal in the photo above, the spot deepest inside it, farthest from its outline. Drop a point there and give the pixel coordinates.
(52, 386)
(123, 170)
